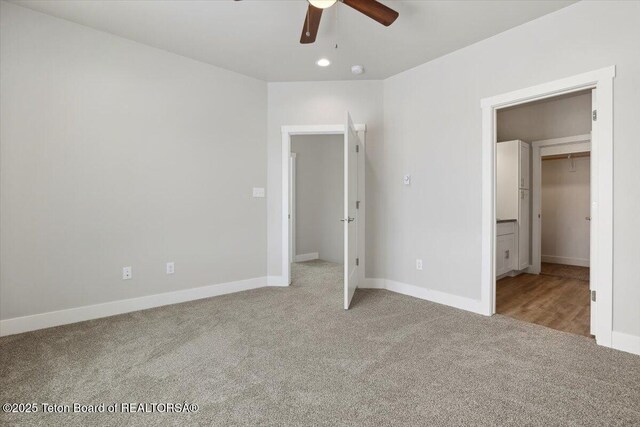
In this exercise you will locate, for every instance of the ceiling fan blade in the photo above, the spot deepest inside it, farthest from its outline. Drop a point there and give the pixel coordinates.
(311, 25)
(374, 10)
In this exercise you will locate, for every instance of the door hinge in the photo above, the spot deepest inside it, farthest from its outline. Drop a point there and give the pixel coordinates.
(357, 261)
(357, 204)
(593, 296)
(594, 115)
(357, 148)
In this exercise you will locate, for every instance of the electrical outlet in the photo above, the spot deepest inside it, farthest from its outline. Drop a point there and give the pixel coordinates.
(406, 179)
(127, 273)
(258, 192)
(418, 264)
(171, 268)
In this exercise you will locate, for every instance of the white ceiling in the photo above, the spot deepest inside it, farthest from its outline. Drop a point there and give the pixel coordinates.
(260, 38)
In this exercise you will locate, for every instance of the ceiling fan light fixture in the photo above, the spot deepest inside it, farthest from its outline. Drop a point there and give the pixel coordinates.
(323, 62)
(322, 4)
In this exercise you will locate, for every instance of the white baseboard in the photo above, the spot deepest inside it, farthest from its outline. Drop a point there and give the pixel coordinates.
(444, 298)
(553, 259)
(78, 314)
(307, 257)
(373, 284)
(625, 342)
(276, 281)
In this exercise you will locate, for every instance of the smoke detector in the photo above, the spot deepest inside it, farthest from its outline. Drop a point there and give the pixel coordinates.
(357, 69)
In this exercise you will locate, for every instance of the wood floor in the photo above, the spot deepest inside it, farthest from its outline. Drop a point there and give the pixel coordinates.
(568, 271)
(557, 298)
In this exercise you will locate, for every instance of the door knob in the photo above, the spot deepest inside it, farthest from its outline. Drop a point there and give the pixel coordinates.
(348, 219)
(588, 218)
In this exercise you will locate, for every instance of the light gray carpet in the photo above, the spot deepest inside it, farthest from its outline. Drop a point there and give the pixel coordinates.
(292, 356)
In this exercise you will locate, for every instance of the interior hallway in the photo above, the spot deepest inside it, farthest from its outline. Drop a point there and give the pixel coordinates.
(293, 356)
(557, 298)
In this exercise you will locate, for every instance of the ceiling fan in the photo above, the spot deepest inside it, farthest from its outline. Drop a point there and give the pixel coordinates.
(371, 8)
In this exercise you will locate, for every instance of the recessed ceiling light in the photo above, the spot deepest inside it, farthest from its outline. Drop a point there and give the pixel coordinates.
(357, 69)
(323, 62)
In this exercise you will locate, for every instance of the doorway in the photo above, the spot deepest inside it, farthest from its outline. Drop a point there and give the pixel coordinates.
(543, 187)
(317, 182)
(601, 226)
(352, 218)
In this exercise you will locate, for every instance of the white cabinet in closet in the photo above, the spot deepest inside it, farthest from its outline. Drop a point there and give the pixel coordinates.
(513, 196)
(505, 248)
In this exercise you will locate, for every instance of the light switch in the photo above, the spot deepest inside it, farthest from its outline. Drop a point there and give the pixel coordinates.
(258, 192)
(406, 179)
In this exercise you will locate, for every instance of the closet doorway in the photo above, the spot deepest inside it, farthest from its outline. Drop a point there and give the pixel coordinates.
(543, 203)
(601, 209)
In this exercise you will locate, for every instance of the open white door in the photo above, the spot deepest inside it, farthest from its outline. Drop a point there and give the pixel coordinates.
(350, 220)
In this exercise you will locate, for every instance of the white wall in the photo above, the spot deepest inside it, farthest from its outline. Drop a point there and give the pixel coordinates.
(319, 195)
(114, 154)
(566, 203)
(433, 130)
(320, 103)
(552, 118)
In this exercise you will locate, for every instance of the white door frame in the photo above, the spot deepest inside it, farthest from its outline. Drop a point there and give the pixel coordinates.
(287, 133)
(292, 203)
(567, 145)
(602, 206)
